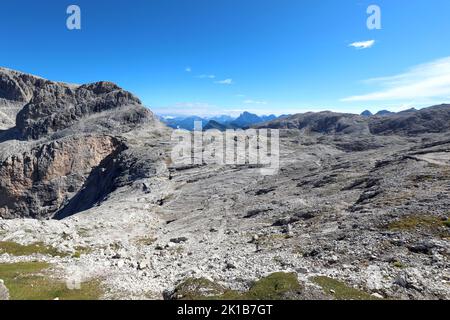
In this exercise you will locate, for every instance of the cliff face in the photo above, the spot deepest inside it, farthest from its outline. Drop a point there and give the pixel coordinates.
(39, 182)
(55, 136)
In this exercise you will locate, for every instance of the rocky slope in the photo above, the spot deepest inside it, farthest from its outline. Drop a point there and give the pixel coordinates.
(367, 210)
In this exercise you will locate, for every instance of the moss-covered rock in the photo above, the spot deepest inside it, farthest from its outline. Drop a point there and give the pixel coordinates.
(276, 286)
(341, 291)
(197, 289)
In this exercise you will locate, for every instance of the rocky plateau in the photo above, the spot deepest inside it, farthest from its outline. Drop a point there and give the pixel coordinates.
(86, 170)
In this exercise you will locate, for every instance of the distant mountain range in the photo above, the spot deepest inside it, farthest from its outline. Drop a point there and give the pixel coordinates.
(222, 122)
(367, 113)
(325, 122)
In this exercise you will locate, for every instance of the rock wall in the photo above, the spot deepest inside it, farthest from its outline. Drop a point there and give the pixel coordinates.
(38, 183)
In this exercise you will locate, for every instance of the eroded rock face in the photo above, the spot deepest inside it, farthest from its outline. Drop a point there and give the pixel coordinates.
(37, 183)
(15, 86)
(57, 107)
(60, 141)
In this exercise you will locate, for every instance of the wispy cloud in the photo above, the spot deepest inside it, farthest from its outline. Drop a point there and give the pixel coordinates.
(226, 81)
(206, 76)
(188, 69)
(362, 44)
(188, 108)
(422, 82)
(201, 109)
(250, 101)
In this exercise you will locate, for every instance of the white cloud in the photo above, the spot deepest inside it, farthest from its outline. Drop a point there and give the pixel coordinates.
(206, 76)
(226, 81)
(188, 69)
(422, 82)
(255, 102)
(362, 44)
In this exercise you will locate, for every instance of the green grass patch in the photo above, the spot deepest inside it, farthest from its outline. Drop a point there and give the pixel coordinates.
(340, 290)
(146, 241)
(277, 286)
(16, 249)
(421, 223)
(447, 223)
(198, 289)
(398, 264)
(28, 281)
(79, 251)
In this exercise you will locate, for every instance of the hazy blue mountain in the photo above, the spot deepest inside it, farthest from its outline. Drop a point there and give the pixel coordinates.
(223, 119)
(186, 123)
(221, 122)
(268, 118)
(383, 113)
(367, 113)
(212, 124)
(247, 119)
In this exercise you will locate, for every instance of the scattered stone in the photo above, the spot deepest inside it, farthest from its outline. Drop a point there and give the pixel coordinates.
(142, 265)
(422, 247)
(312, 253)
(179, 240)
(333, 259)
(4, 292)
(230, 265)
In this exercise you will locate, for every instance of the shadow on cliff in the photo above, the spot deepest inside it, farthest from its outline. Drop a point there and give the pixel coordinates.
(99, 184)
(10, 134)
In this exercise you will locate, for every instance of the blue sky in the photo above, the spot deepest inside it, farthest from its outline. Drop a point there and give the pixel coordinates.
(225, 56)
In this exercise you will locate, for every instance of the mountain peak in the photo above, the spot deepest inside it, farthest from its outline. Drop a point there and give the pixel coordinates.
(367, 113)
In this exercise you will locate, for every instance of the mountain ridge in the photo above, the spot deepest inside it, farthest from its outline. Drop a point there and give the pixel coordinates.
(433, 119)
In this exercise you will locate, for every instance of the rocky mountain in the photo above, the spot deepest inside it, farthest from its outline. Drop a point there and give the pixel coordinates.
(90, 195)
(410, 122)
(322, 122)
(383, 113)
(65, 138)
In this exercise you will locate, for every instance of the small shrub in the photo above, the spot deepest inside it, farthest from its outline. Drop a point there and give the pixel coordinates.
(398, 264)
